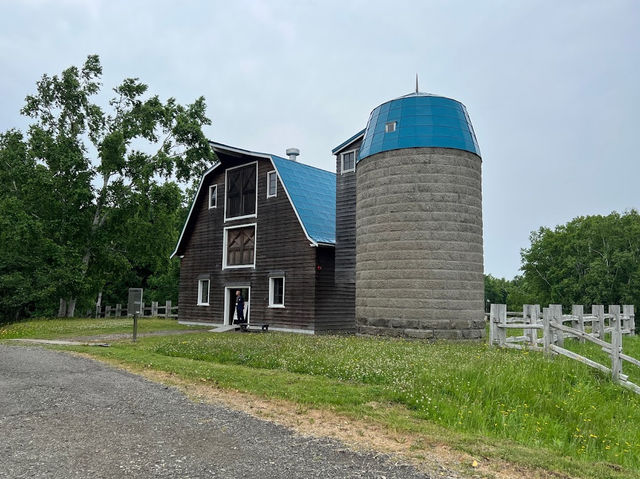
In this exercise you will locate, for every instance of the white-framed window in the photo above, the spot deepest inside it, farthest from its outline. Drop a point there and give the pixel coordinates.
(239, 246)
(348, 161)
(213, 196)
(272, 184)
(390, 127)
(241, 186)
(276, 292)
(203, 292)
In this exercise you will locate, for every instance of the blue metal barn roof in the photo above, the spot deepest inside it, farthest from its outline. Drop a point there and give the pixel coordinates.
(422, 120)
(313, 194)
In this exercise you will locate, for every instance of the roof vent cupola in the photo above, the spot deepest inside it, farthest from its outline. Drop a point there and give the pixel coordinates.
(293, 153)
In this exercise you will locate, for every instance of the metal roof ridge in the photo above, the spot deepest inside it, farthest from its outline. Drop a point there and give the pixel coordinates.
(302, 164)
(347, 141)
(239, 150)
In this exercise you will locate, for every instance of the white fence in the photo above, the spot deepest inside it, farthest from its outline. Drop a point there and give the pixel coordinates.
(156, 309)
(555, 327)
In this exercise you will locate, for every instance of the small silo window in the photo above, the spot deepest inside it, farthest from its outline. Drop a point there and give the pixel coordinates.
(390, 127)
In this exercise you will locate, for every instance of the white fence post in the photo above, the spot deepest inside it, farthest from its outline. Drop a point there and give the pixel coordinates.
(493, 319)
(530, 316)
(154, 309)
(616, 343)
(628, 319)
(501, 309)
(598, 326)
(577, 310)
(118, 310)
(612, 310)
(526, 318)
(547, 337)
(556, 310)
(167, 309)
(107, 311)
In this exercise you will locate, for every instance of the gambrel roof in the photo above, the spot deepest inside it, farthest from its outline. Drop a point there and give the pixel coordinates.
(311, 192)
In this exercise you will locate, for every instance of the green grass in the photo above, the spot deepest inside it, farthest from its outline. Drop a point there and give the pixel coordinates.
(78, 327)
(630, 347)
(515, 405)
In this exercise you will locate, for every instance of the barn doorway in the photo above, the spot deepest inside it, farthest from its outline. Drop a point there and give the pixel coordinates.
(230, 302)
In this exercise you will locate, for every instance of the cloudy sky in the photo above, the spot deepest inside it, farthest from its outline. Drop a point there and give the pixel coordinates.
(552, 87)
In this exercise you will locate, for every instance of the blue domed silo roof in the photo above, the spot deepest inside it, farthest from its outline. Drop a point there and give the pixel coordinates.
(421, 120)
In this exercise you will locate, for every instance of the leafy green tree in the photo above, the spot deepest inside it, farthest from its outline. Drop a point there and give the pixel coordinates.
(28, 256)
(512, 292)
(92, 190)
(589, 260)
(495, 290)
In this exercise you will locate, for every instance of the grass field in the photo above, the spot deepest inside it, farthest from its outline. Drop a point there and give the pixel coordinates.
(515, 405)
(77, 327)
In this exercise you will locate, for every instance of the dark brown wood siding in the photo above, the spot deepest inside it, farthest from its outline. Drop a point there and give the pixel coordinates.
(281, 246)
(345, 250)
(332, 300)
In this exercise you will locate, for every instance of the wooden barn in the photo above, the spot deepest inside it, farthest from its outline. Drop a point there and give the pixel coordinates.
(264, 225)
(391, 244)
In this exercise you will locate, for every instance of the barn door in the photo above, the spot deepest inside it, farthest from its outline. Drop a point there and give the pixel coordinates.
(230, 302)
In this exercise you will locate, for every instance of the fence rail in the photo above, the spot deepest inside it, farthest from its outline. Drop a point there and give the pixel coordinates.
(585, 328)
(155, 309)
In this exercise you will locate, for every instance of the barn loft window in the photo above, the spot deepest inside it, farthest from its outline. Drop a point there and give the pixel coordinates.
(239, 247)
(272, 184)
(203, 292)
(241, 191)
(213, 196)
(276, 291)
(349, 161)
(390, 127)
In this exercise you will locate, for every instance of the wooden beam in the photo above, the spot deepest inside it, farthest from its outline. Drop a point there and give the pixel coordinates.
(577, 357)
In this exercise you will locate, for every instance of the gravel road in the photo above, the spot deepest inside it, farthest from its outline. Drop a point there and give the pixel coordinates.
(63, 416)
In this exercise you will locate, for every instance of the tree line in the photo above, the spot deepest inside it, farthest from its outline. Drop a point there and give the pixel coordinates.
(589, 260)
(92, 198)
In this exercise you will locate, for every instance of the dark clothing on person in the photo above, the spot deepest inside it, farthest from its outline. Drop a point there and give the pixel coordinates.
(240, 308)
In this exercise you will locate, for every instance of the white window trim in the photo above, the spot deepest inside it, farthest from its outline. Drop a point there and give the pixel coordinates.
(213, 193)
(254, 215)
(342, 155)
(269, 173)
(224, 246)
(200, 281)
(390, 123)
(272, 290)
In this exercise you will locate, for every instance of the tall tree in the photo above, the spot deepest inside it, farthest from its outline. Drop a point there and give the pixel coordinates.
(106, 198)
(29, 258)
(589, 260)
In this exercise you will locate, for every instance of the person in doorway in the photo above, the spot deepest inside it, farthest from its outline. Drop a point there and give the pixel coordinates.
(239, 307)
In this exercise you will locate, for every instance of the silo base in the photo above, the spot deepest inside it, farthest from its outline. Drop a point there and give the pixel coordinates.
(411, 328)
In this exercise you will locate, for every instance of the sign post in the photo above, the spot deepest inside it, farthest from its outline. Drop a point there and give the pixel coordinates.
(134, 308)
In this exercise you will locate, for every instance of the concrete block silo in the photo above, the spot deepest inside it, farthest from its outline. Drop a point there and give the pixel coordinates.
(419, 253)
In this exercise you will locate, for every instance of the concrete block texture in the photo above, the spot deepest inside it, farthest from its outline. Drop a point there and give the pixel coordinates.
(419, 252)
